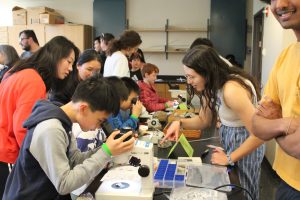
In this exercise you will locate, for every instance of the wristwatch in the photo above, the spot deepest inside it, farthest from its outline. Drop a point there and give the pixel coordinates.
(230, 162)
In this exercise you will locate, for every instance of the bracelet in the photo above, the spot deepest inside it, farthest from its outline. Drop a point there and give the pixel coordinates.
(134, 117)
(288, 128)
(106, 149)
(230, 162)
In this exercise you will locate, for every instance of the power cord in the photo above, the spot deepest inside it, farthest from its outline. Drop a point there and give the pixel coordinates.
(237, 186)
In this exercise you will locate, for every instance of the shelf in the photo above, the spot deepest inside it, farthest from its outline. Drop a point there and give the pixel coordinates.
(147, 29)
(174, 29)
(169, 30)
(176, 50)
(153, 50)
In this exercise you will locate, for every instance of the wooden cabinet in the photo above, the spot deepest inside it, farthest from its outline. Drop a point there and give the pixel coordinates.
(3, 35)
(13, 36)
(81, 35)
(163, 89)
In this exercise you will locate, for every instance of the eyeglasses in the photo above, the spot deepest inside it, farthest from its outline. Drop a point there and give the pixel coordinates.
(189, 77)
(21, 39)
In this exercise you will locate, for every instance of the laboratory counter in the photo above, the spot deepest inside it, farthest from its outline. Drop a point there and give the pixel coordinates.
(209, 136)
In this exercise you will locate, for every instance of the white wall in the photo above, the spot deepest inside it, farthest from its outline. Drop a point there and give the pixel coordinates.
(75, 11)
(153, 14)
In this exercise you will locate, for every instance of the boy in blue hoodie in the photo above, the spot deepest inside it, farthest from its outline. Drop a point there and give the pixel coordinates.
(49, 164)
(130, 108)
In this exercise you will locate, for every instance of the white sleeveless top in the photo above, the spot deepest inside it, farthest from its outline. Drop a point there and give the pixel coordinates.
(229, 117)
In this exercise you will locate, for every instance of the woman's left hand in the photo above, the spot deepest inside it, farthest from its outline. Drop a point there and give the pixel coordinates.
(219, 157)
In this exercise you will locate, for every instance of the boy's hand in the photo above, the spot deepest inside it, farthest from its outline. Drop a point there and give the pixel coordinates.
(118, 146)
(137, 108)
(170, 104)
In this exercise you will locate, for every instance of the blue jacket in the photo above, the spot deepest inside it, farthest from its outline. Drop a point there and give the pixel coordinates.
(27, 179)
(123, 119)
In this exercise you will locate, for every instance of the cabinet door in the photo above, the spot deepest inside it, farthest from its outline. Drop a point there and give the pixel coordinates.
(161, 89)
(39, 30)
(3, 35)
(13, 36)
(81, 35)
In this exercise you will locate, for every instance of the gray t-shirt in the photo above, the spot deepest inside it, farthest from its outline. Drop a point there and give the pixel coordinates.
(26, 54)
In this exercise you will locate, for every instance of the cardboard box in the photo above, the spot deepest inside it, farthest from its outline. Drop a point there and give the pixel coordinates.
(19, 16)
(33, 14)
(51, 18)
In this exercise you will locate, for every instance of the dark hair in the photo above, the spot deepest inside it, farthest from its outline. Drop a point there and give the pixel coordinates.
(10, 53)
(131, 85)
(148, 68)
(231, 59)
(138, 55)
(119, 86)
(106, 37)
(202, 41)
(99, 94)
(97, 39)
(45, 61)
(206, 62)
(88, 55)
(128, 39)
(30, 33)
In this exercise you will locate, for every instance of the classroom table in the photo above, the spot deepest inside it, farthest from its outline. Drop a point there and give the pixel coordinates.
(208, 136)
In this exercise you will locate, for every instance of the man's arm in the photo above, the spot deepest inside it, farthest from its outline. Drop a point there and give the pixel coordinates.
(286, 130)
(291, 144)
(267, 129)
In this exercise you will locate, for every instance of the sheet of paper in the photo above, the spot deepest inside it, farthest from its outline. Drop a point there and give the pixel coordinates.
(122, 173)
(185, 144)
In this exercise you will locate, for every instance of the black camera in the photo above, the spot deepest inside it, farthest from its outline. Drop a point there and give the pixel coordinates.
(123, 131)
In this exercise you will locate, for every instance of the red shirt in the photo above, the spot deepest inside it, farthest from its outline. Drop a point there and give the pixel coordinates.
(150, 98)
(18, 94)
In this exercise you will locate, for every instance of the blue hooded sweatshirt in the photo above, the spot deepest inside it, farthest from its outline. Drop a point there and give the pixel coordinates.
(49, 165)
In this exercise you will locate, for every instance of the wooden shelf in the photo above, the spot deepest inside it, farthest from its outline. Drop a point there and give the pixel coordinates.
(153, 50)
(174, 29)
(168, 30)
(177, 50)
(147, 29)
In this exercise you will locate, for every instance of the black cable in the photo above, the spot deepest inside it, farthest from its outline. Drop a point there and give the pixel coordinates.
(162, 192)
(234, 185)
